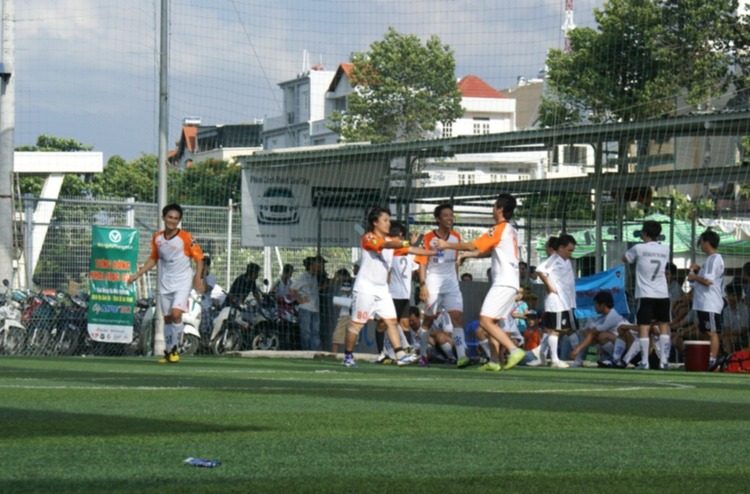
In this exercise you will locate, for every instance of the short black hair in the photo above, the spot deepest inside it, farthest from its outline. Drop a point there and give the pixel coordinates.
(507, 204)
(734, 290)
(652, 229)
(711, 237)
(397, 228)
(566, 240)
(171, 207)
(373, 216)
(553, 242)
(439, 209)
(414, 311)
(605, 298)
(252, 268)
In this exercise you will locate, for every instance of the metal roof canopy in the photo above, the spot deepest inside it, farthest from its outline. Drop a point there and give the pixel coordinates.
(705, 125)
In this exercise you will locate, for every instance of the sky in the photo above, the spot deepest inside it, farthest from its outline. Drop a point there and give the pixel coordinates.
(88, 70)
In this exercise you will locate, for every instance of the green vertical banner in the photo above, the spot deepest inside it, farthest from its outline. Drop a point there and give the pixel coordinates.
(114, 253)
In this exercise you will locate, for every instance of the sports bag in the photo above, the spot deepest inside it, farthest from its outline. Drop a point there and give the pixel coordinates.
(737, 362)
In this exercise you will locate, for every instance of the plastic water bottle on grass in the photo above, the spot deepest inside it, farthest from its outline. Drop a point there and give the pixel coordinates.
(200, 462)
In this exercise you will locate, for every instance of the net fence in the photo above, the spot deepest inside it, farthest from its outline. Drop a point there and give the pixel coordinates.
(288, 121)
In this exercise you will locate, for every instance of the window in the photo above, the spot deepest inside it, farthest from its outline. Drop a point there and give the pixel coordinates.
(481, 125)
(448, 129)
(466, 176)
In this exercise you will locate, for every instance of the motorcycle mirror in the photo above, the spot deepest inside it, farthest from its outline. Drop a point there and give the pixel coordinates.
(6, 283)
(265, 281)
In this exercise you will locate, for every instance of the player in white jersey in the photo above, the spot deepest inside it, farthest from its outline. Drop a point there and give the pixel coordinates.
(558, 277)
(501, 242)
(651, 259)
(173, 249)
(602, 330)
(399, 284)
(370, 295)
(438, 281)
(708, 283)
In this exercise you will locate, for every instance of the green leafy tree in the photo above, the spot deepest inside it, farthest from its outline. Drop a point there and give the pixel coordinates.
(403, 88)
(135, 178)
(208, 183)
(645, 54)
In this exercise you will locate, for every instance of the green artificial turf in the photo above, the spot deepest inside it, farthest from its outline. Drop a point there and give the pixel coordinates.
(278, 425)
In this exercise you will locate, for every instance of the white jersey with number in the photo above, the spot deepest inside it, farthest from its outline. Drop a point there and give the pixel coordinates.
(440, 270)
(651, 259)
(709, 298)
(399, 283)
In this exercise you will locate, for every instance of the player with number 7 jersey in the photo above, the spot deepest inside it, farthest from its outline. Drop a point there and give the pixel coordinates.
(651, 259)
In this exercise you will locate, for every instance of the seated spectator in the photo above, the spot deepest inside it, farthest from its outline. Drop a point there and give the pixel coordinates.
(601, 330)
(734, 333)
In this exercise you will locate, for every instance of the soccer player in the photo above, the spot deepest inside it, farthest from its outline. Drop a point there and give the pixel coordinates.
(601, 330)
(399, 285)
(502, 242)
(651, 259)
(557, 275)
(708, 284)
(370, 295)
(173, 249)
(438, 282)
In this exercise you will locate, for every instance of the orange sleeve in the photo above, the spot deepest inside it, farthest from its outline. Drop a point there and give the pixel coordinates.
(490, 238)
(425, 244)
(372, 242)
(154, 251)
(192, 249)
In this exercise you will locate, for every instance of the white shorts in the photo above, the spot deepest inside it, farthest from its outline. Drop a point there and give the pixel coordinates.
(498, 302)
(450, 301)
(175, 300)
(367, 305)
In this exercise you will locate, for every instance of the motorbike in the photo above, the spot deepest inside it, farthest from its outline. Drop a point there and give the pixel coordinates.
(228, 328)
(264, 324)
(40, 318)
(288, 322)
(71, 336)
(191, 336)
(143, 327)
(12, 331)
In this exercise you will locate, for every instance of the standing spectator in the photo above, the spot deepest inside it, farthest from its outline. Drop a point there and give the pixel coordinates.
(519, 310)
(735, 319)
(307, 294)
(281, 288)
(438, 282)
(651, 259)
(501, 242)
(708, 284)
(559, 279)
(173, 249)
(328, 313)
(245, 285)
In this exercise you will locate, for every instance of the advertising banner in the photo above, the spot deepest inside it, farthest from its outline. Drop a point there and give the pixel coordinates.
(114, 253)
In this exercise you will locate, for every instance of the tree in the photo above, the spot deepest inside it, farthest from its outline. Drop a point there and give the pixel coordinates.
(136, 178)
(645, 54)
(402, 90)
(208, 183)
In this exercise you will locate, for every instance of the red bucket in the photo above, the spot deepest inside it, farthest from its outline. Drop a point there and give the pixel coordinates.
(697, 354)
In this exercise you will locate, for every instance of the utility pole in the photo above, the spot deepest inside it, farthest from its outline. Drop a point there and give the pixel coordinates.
(162, 158)
(7, 136)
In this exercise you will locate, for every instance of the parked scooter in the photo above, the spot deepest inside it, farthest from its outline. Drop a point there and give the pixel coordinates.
(71, 336)
(40, 318)
(143, 327)
(228, 327)
(12, 331)
(264, 319)
(191, 336)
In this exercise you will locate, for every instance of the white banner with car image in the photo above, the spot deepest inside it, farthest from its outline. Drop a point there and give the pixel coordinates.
(302, 206)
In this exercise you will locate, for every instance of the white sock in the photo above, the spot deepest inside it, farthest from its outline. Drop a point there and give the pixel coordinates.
(424, 341)
(168, 337)
(177, 330)
(485, 346)
(665, 343)
(459, 339)
(553, 341)
(620, 346)
(544, 346)
(644, 349)
(447, 350)
(404, 341)
(634, 350)
(388, 348)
